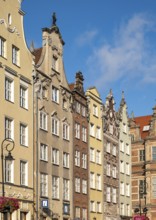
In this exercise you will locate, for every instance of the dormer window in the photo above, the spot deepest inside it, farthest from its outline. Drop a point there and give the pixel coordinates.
(55, 63)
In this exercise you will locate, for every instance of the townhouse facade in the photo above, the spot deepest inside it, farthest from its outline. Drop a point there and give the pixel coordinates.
(54, 130)
(143, 134)
(124, 161)
(95, 154)
(80, 149)
(111, 159)
(16, 117)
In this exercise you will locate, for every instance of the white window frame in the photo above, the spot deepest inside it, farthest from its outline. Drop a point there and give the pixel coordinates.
(98, 207)
(122, 146)
(9, 171)
(122, 188)
(84, 134)
(77, 158)
(98, 182)
(2, 47)
(65, 159)
(98, 133)
(9, 128)
(122, 168)
(66, 189)
(84, 161)
(55, 63)
(108, 194)
(84, 186)
(55, 187)
(65, 131)
(23, 134)
(114, 150)
(55, 94)
(9, 89)
(95, 110)
(92, 154)
(15, 55)
(98, 157)
(114, 195)
(77, 212)
(55, 156)
(84, 214)
(92, 180)
(44, 184)
(78, 107)
(77, 184)
(43, 120)
(77, 130)
(127, 189)
(23, 173)
(92, 206)
(55, 126)
(108, 147)
(92, 131)
(114, 171)
(83, 111)
(108, 169)
(127, 169)
(127, 149)
(23, 96)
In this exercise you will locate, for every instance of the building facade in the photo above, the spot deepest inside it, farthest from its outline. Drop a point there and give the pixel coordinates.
(95, 153)
(143, 134)
(80, 150)
(111, 159)
(16, 117)
(124, 161)
(54, 130)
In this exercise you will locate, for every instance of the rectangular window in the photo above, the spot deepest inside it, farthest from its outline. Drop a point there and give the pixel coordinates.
(121, 146)
(15, 56)
(114, 150)
(153, 153)
(114, 171)
(2, 47)
(55, 126)
(9, 89)
(55, 187)
(84, 214)
(127, 189)
(108, 169)
(78, 107)
(154, 187)
(77, 158)
(55, 94)
(142, 155)
(44, 184)
(98, 133)
(77, 213)
(77, 130)
(92, 206)
(66, 191)
(127, 149)
(77, 184)
(122, 189)
(124, 128)
(84, 134)
(92, 132)
(128, 209)
(108, 195)
(9, 128)
(122, 208)
(95, 110)
(98, 182)
(122, 166)
(65, 131)
(83, 111)
(23, 135)
(65, 160)
(92, 155)
(98, 207)
(44, 152)
(114, 195)
(84, 186)
(92, 180)
(108, 147)
(54, 63)
(142, 188)
(127, 169)
(98, 157)
(43, 120)
(23, 173)
(23, 97)
(55, 156)
(9, 171)
(84, 161)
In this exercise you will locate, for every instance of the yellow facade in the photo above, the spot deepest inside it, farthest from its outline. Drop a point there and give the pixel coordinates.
(96, 152)
(16, 106)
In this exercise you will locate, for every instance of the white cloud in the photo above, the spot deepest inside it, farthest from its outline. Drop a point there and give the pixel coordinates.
(86, 38)
(129, 57)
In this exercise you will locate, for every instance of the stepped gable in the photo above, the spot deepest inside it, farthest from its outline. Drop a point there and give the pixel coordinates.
(143, 121)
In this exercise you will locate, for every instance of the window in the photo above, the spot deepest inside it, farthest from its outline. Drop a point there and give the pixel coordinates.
(83, 111)
(55, 94)
(154, 187)
(43, 120)
(121, 146)
(114, 150)
(127, 189)
(23, 97)
(77, 158)
(78, 107)
(114, 171)
(55, 156)
(153, 153)
(77, 130)
(77, 184)
(127, 149)
(92, 155)
(92, 180)
(84, 186)
(92, 129)
(108, 147)
(98, 157)
(127, 169)
(15, 56)
(9, 128)
(124, 128)
(108, 196)
(121, 166)
(65, 131)
(98, 133)
(77, 212)
(98, 207)
(122, 189)
(55, 63)
(114, 195)
(142, 188)
(98, 182)
(9, 172)
(128, 209)
(84, 214)
(92, 206)
(44, 152)
(108, 170)
(44, 184)
(9, 89)
(95, 110)
(55, 126)
(55, 187)
(2, 47)
(23, 135)
(84, 161)
(65, 160)
(142, 155)
(84, 134)
(23, 173)
(66, 192)
(122, 208)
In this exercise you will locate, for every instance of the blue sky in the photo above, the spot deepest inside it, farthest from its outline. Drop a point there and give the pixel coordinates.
(112, 42)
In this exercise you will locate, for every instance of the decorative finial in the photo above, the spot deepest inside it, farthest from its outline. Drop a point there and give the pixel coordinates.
(123, 95)
(132, 115)
(54, 19)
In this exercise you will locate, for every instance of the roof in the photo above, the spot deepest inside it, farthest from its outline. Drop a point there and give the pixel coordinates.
(143, 121)
(37, 54)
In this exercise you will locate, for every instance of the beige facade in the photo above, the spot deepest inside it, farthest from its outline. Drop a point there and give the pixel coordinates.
(95, 154)
(124, 162)
(16, 116)
(54, 130)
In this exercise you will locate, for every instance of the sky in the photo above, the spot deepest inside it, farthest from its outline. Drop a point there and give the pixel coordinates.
(112, 42)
